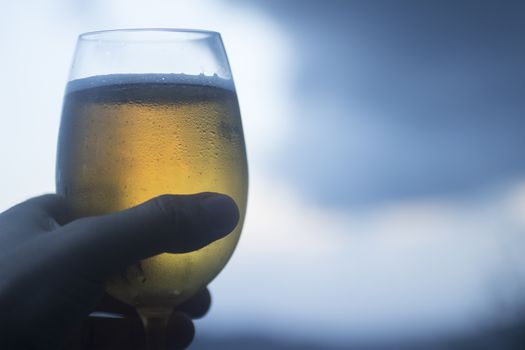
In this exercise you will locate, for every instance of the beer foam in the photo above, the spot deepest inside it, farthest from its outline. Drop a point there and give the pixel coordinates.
(149, 78)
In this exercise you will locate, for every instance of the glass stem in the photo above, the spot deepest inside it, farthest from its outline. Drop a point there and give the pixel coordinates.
(155, 322)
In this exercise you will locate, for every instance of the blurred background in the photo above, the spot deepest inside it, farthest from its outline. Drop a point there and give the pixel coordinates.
(386, 142)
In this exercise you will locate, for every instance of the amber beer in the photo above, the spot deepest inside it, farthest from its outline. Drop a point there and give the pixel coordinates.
(127, 138)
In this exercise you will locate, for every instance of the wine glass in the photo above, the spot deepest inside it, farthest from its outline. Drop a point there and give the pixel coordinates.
(150, 112)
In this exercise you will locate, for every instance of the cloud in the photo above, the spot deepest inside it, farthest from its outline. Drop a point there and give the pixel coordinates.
(403, 99)
(408, 267)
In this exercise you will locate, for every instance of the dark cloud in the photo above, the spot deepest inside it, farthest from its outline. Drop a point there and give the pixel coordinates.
(404, 98)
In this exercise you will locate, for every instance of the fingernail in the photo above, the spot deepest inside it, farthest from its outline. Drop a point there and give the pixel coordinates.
(222, 213)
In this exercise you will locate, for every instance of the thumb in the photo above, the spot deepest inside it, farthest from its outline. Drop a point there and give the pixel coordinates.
(169, 223)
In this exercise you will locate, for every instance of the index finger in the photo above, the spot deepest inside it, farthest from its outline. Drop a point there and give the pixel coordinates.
(168, 223)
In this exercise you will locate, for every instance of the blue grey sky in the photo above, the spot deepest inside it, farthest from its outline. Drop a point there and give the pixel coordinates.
(403, 99)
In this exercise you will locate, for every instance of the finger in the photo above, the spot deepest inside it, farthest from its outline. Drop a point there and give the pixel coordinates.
(180, 331)
(107, 333)
(108, 304)
(169, 223)
(46, 212)
(197, 306)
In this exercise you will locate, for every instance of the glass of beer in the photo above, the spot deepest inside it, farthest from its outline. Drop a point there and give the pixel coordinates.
(150, 112)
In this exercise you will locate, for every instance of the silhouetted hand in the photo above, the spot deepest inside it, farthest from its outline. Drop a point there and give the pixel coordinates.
(126, 331)
(53, 268)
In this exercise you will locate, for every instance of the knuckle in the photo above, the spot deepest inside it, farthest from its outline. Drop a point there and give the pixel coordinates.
(179, 215)
(84, 224)
(169, 210)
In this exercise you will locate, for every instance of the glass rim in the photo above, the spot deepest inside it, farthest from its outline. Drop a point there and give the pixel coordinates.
(129, 33)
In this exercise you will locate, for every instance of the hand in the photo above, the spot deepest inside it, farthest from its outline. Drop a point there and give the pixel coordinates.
(53, 268)
(126, 331)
